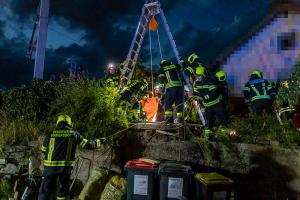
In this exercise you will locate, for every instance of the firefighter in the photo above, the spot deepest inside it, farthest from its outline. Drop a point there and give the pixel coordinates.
(222, 84)
(131, 94)
(193, 61)
(206, 91)
(59, 156)
(259, 93)
(171, 79)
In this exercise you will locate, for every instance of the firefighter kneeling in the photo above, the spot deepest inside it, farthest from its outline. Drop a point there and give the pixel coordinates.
(59, 149)
(206, 91)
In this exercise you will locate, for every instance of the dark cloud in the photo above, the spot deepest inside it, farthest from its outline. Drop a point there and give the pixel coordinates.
(109, 26)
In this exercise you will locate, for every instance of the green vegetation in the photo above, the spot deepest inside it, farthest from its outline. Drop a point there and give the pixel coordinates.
(29, 111)
(259, 129)
(289, 92)
(6, 189)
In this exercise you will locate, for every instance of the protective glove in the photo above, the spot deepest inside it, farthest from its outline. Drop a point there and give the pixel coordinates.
(100, 141)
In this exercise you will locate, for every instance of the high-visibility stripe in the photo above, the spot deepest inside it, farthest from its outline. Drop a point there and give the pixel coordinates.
(61, 198)
(209, 104)
(55, 135)
(179, 114)
(51, 148)
(210, 87)
(255, 90)
(83, 143)
(260, 97)
(169, 67)
(98, 143)
(247, 88)
(264, 88)
(62, 163)
(168, 112)
(63, 131)
(69, 149)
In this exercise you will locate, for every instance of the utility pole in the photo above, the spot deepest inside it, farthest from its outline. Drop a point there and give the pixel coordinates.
(42, 30)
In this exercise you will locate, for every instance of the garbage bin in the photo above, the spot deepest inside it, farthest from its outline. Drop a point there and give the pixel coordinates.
(213, 186)
(175, 181)
(142, 180)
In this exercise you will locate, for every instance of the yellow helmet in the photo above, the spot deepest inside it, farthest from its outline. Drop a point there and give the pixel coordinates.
(257, 72)
(201, 71)
(192, 58)
(165, 63)
(221, 76)
(64, 118)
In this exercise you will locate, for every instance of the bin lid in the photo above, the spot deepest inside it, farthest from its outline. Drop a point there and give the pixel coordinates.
(213, 179)
(147, 160)
(140, 164)
(174, 168)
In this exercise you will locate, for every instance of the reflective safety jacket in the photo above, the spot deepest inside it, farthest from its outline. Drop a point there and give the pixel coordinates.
(258, 88)
(59, 147)
(190, 70)
(169, 76)
(208, 91)
(136, 86)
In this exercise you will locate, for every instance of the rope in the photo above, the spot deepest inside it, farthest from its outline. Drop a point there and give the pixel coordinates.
(151, 61)
(160, 50)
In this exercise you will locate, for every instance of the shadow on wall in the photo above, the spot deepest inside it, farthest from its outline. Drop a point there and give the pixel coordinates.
(269, 180)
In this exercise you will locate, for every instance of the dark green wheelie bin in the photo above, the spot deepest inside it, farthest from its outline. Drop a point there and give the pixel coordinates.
(213, 186)
(175, 181)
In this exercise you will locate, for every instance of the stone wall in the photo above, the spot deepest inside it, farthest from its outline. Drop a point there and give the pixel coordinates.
(14, 159)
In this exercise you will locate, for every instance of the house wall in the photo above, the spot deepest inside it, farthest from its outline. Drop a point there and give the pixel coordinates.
(264, 52)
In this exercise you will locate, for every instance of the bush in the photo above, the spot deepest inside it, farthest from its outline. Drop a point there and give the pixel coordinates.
(97, 111)
(289, 91)
(18, 130)
(5, 189)
(29, 111)
(254, 129)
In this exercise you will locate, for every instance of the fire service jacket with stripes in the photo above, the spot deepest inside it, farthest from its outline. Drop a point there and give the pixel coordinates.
(59, 147)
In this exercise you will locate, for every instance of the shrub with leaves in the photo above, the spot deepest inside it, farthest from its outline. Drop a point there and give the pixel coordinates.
(6, 189)
(97, 111)
(254, 129)
(289, 91)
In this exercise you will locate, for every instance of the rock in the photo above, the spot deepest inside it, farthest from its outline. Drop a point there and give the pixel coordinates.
(3, 161)
(21, 148)
(11, 169)
(34, 144)
(17, 156)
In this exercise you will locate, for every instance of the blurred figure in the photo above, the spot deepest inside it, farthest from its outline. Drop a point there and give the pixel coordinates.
(150, 106)
(259, 93)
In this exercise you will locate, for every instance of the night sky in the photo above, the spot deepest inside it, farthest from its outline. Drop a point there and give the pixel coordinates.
(97, 32)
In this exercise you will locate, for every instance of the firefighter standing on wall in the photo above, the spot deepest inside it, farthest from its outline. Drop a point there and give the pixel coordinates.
(259, 93)
(59, 156)
(170, 78)
(206, 91)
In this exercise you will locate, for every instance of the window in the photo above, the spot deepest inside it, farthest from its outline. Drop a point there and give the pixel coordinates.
(287, 41)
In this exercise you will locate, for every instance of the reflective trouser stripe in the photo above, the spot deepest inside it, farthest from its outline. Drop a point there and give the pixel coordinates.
(179, 114)
(51, 148)
(64, 163)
